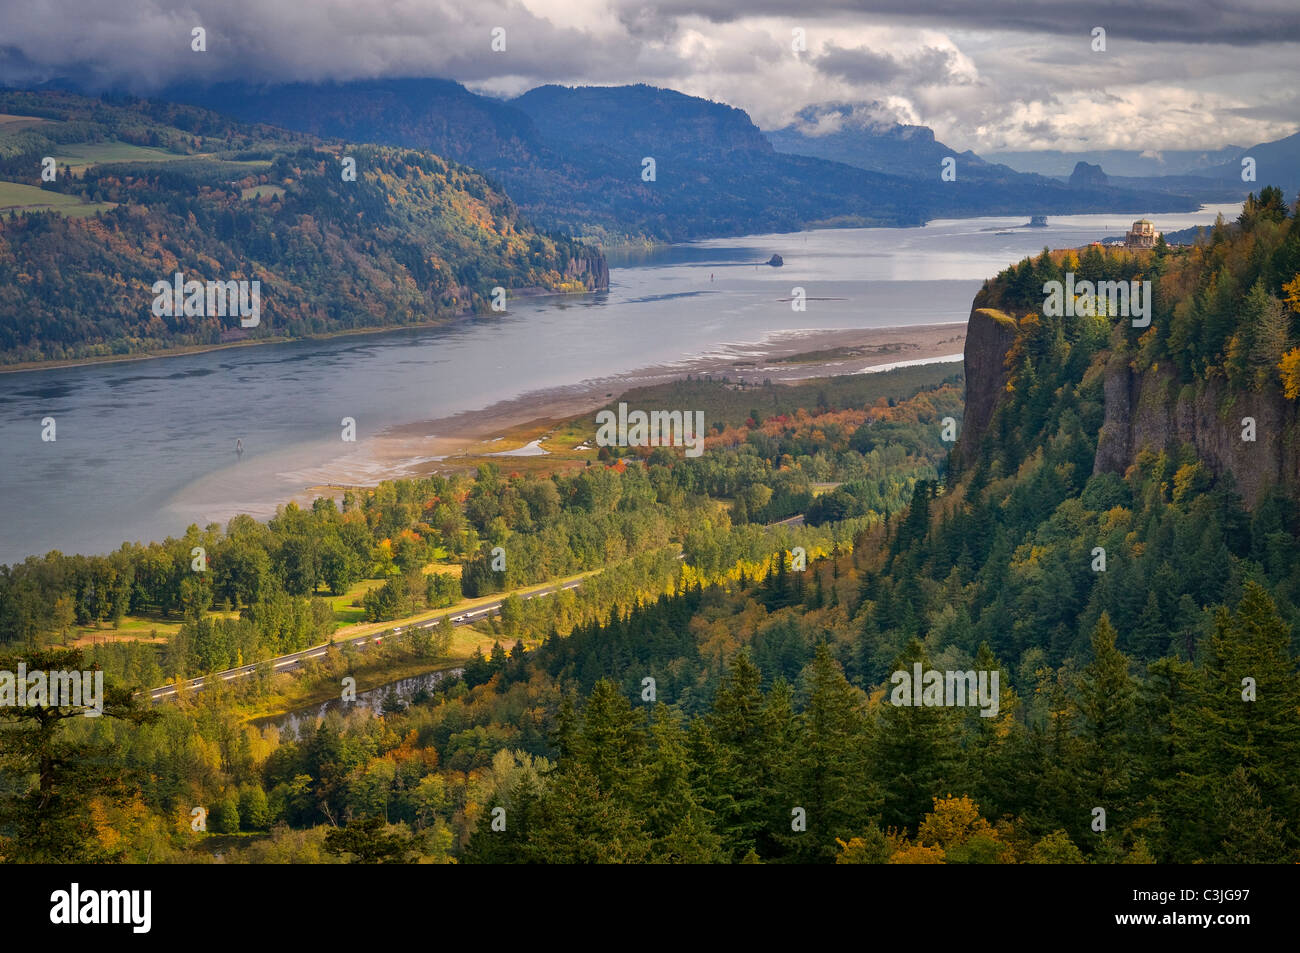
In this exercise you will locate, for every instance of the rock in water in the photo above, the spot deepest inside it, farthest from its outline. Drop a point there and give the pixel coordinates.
(776, 261)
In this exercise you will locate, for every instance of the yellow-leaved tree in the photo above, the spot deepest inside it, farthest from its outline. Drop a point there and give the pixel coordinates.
(1290, 368)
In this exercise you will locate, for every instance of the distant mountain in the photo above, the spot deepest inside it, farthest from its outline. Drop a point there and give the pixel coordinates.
(1118, 162)
(642, 119)
(573, 158)
(855, 135)
(843, 133)
(1276, 163)
(1087, 176)
(1209, 175)
(1203, 188)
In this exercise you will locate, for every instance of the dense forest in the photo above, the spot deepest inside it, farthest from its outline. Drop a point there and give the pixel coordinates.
(710, 508)
(410, 239)
(732, 706)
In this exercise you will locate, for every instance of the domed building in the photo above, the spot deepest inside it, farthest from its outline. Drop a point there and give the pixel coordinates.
(1141, 235)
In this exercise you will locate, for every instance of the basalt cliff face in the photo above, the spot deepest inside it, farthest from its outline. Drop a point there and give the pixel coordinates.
(591, 269)
(989, 335)
(1151, 410)
(1148, 410)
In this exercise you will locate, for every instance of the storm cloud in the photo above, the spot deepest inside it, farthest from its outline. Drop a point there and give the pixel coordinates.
(999, 74)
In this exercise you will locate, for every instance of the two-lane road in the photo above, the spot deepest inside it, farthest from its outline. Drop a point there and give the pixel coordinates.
(291, 661)
(284, 663)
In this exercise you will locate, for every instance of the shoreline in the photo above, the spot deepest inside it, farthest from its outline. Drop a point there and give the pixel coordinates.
(423, 448)
(185, 350)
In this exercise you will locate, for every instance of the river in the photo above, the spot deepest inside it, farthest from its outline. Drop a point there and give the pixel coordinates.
(144, 448)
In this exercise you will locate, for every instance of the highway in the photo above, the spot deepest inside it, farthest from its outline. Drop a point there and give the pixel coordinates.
(285, 663)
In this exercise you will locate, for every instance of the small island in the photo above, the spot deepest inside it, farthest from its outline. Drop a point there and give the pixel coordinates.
(776, 261)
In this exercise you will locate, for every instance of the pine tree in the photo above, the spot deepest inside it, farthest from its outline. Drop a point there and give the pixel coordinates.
(914, 755)
(611, 740)
(1104, 697)
(1251, 832)
(672, 812)
(830, 779)
(1220, 729)
(735, 743)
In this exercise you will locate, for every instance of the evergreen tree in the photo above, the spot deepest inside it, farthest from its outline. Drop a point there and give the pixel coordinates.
(829, 780)
(1221, 729)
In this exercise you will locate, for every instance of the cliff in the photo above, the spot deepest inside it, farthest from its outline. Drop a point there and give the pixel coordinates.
(1147, 410)
(989, 335)
(1150, 410)
(590, 268)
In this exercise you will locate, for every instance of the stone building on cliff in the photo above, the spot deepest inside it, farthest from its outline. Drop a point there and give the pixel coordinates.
(1141, 235)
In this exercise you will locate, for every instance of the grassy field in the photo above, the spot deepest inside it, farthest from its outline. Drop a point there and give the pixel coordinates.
(348, 613)
(80, 156)
(347, 607)
(465, 605)
(11, 123)
(558, 439)
(133, 628)
(260, 191)
(732, 403)
(15, 196)
(819, 488)
(728, 404)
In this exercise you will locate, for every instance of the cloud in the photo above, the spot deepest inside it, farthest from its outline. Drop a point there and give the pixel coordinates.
(822, 119)
(930, 66)
(1005, 74)
(859, 65)
(1241, 23)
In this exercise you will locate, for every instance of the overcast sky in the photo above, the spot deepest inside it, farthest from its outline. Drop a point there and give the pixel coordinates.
(987, 75)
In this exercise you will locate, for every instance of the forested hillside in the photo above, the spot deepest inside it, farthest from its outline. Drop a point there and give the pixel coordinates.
(413, 239)
(733, 706)
(1143, 623)
(655, 522)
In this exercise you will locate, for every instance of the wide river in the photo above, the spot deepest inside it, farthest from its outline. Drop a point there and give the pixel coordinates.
(144, 448)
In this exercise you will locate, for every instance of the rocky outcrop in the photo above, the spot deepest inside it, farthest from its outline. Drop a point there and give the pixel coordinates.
(1151, 410)
(989, 335)
(1087, 176)
(1148, 410)
(592, 269)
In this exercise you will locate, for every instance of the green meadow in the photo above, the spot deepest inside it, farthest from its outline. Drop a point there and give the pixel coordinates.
(16, 197)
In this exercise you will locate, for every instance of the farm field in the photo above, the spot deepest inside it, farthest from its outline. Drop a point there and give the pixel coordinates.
(80, 156)
(15, 197)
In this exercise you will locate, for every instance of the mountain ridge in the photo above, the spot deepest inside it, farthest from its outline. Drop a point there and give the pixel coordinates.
(573, 158)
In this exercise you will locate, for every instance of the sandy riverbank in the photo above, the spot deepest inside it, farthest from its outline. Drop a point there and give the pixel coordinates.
(428, 446)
